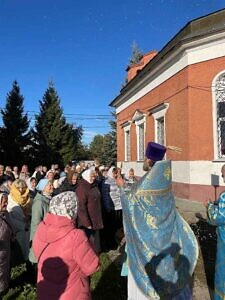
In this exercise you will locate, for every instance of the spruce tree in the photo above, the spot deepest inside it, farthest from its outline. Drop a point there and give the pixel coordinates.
(96, 147)
(15, 134)
(55, 140)
(109, 156)
(136, 54)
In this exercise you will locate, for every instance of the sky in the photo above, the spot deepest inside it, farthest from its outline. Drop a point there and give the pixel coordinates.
(84, 47)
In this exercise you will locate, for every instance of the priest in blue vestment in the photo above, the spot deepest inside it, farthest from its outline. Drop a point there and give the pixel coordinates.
(162, 250)
(216, 216)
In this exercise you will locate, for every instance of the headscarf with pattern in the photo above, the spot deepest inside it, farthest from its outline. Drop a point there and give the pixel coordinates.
(64, 204)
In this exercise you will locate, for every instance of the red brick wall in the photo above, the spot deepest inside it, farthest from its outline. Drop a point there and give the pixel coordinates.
(189, 117)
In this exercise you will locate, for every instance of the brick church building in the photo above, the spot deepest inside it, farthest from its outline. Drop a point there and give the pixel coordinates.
(177, 97)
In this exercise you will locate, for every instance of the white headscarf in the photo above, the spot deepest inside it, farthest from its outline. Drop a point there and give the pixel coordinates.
(109, 173)
(86, 175)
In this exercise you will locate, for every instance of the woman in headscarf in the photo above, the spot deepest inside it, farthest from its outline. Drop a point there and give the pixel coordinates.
(89, 212)
(68, 184)
(112, 207)
(6, 234)
(65, 257)
(24, 173)
(6, 186)
(19, 208)
(40, 208)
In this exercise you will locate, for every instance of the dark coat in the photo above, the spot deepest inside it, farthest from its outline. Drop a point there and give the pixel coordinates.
(5, 238)
(89, 208)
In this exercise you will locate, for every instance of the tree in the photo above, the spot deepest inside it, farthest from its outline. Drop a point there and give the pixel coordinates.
(55, 139)
(136, 54)
(96, 147)
(109, 156)
(15, 134)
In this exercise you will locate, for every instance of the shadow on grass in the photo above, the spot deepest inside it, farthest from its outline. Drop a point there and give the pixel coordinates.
(107, 284)
(206, 235)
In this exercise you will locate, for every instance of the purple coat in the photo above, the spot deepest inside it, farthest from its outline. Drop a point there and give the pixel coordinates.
(89, 208)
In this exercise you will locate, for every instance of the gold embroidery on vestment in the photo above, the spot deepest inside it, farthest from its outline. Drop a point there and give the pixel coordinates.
(153, 192)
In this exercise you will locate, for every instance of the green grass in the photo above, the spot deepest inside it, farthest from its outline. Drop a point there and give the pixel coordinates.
(106, 284)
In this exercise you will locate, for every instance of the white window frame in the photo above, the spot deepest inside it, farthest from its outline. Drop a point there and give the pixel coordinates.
(215, 120)
(126, 128)
(158, 113)
(140, 120)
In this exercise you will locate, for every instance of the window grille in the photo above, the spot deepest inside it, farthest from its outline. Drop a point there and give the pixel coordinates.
(127, 145)
(220, 107)
(141, 141)
(160, 131)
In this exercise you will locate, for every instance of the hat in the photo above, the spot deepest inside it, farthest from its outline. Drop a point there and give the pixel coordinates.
(155, 151)
(41, 184)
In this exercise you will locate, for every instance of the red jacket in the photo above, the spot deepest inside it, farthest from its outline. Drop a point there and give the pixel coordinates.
(66, 259)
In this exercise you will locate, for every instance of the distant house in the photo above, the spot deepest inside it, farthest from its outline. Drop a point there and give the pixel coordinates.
(177, 97)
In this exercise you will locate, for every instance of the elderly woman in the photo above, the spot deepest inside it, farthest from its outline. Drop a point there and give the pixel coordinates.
(216, 217)
(65, 257)
(5, 238)
(112, 207)
(40, 208)
(19, 208)
(68, 184)
(89, 212)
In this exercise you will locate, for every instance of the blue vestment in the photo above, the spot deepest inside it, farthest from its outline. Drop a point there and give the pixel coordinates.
(216, 216)
(162, 250)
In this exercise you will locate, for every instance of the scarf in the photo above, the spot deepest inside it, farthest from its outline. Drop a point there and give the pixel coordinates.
(87, 174)
(64, 204)
(22, 200)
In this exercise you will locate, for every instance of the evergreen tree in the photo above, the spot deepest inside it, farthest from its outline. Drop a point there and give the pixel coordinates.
(55, 140)
(109, 156)
(96, 147)
(136, 54)
(14, 134)
(83, 153)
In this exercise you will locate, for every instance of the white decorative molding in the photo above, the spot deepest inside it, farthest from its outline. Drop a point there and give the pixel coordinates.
(214, 116)
(126, 127)
(137, 116)
(157, 113)
(189, 172)
(204, 49)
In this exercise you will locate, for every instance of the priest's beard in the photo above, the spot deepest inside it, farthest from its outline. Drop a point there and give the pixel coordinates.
(146, 165)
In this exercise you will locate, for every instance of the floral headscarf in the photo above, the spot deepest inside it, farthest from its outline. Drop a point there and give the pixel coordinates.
(64, 204)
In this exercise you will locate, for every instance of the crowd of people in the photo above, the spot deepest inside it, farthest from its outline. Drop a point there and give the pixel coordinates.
(87, 208)
(59, 221)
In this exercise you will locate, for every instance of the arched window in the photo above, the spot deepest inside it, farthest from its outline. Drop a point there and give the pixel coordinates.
(218, 89)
